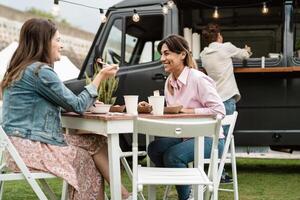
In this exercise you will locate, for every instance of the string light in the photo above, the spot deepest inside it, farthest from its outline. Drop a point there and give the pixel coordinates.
(135, 16)
(170, 4)
(55, 9)
(164, 9)
(216, 13)
(265, 9)
(103, 18)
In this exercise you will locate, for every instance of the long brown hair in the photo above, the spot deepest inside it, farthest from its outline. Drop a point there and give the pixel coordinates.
(34, 46)
(178, 44)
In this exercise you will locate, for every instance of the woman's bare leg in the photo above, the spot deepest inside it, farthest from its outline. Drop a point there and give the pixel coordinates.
(101, 161)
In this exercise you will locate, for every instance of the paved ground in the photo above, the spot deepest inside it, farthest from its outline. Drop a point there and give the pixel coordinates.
(266, 152)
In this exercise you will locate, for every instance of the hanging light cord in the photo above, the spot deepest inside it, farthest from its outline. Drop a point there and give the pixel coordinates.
(79, 4)
(237, 6)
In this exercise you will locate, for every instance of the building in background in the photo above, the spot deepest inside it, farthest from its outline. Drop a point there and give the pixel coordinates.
(76, 42)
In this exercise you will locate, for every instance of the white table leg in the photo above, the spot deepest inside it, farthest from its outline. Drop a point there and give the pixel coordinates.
(114, 166)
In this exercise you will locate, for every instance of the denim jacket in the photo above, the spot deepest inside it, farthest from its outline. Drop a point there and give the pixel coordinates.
(32, 105)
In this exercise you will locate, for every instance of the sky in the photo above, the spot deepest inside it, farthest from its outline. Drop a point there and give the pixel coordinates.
(85, 18)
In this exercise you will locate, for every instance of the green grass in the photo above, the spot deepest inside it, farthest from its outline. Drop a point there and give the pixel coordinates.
(258, 180)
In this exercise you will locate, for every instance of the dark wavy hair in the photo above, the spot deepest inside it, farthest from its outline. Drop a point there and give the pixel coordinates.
(34, 46)
(210, 33)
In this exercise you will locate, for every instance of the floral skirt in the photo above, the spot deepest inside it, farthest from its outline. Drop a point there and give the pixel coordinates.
(73, 163)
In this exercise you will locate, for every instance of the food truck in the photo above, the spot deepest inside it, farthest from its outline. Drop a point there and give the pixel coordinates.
(269, 81)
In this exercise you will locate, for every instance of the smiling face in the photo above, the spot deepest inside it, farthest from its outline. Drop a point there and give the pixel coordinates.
(56, 47)
(173, 62)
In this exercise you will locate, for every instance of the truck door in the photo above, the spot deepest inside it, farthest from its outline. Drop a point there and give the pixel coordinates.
(132, 45)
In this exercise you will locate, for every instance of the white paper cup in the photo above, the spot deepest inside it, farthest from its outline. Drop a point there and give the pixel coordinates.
(131, 103)
(157, 103)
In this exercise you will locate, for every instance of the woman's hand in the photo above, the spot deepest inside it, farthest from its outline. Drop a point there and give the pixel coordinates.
(248, 49)
(106, 72)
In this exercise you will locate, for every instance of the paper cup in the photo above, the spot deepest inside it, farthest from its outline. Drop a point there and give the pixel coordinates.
(157, 103)
(131, 103)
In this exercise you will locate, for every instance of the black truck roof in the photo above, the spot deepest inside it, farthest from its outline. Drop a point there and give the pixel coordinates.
(135, 3)
(192, 3)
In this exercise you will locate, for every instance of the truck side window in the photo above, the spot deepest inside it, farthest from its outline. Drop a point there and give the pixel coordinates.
(112, 49)
(142, 38)
(297, 32)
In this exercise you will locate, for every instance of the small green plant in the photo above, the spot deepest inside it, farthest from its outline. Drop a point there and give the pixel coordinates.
(107, 87)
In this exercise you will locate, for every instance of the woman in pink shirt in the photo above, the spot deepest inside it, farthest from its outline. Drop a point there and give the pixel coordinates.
(197, 93)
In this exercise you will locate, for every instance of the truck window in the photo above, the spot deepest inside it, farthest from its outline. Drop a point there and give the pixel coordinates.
(142, 39)
(149, 54)
(112, 49)
(240, 26)
(296, 18)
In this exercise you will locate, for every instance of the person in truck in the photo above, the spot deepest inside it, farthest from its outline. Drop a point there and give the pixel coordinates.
(217, 62)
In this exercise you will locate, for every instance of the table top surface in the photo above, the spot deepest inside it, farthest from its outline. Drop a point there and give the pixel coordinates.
(124, 116)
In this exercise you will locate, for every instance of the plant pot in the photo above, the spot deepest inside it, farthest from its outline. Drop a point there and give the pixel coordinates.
(100, 108)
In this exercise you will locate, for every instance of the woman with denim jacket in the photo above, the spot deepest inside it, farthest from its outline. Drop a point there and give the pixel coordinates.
(33, 97)
(196, 92)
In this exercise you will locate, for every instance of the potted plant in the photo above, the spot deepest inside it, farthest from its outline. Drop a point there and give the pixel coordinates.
(106, 91)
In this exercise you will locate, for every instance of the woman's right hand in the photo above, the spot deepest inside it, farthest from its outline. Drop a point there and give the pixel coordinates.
(108, 71)
(248, 49)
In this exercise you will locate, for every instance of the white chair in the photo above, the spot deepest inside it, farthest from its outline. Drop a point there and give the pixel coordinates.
(123, 156)
(127, 168)
(30, 177)
(178, 176)
(228, 156)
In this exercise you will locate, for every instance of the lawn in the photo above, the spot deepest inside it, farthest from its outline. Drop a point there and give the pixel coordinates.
(258, 180)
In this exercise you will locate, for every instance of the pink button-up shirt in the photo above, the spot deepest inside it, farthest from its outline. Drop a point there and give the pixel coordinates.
(194, 89)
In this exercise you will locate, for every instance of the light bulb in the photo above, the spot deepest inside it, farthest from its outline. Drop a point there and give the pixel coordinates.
(55, 10)
(103, 18)
(170, 3)
(216, 13)
(265, 9)
(165, 9)
(135, 16)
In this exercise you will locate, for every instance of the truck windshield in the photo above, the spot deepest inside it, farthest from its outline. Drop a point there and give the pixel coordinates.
(296, 18)
(112, 49)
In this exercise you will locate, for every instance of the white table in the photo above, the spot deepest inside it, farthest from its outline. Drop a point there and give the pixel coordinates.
(113, 125)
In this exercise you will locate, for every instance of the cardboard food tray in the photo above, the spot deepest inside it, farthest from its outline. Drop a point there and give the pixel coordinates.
(172, 109)
(117, 108)
(144, 109)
